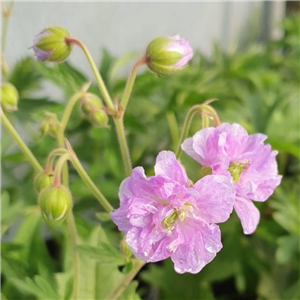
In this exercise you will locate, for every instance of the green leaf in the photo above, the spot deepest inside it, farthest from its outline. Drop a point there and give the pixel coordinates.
(105, 254)
(37, 286)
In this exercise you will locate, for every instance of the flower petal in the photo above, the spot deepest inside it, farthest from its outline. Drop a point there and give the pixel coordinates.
(135, 185)
(191, 257)
(216, 198)
(168, 166)
(187, 147)
(248, 214)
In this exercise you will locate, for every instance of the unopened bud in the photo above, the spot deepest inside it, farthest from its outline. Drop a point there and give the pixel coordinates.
(90, 102)
(55, 202)
(167, 55)
(99, 118)
(9, 97)
(50, 44)
(50, 125)
(43, 180)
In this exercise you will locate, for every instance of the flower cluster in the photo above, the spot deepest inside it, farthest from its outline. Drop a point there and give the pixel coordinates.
(228, 150)
(167, 216)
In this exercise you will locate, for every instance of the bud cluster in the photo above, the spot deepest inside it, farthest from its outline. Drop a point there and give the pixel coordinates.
(50, 125)
(92, 107)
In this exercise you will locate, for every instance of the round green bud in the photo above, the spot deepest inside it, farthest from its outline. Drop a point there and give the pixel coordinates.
(167, 55)
(50, 45)
(43, 180)
(99, 118)
(55, 202)
(9, 97)
(90, 102)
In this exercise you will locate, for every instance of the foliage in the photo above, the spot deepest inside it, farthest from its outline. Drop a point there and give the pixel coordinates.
(258, 88)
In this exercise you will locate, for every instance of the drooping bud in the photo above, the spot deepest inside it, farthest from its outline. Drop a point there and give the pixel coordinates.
(9, 97)
(50, 44)
(43, 180)
(50, 125)
(90, 102)
(55, 202)
(166, 55)
(99, 118)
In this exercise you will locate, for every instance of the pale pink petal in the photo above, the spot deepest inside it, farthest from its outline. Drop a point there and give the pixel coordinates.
(187, 147)
(192, 256)
(136, 184)
(216, 196)
(168, 166)
(248, 214)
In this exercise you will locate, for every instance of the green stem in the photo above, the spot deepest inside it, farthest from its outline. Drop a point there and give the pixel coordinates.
(123, 145)
(88, 181)
(5, 15)
(69, 109)
(117, 292)
(71, 225)
(186, 126)
(36, 165)
(100, 82)
(51, 157)
(58, 168)
(130, 81)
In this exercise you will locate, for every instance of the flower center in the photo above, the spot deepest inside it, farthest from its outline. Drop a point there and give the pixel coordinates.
(236, 169)
(169, 221)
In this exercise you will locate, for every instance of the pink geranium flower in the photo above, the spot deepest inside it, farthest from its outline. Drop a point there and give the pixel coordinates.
(164, 216)
(229, 150)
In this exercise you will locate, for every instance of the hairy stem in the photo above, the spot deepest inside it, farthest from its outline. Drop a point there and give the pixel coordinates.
(123, 145)
(100, 82)
(130, 81)
(36, 165)
(88, 181)
(186, 126)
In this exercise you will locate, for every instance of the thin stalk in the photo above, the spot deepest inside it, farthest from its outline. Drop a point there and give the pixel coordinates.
(123, 145)
(186, 126)
(88, 181)
(100, 82)
(117, 292)
(51, 157)
(71, 225)
(36, 165)
(70, 221)
(69, 108)
(58, 168)
(130, 81)
(5, 15)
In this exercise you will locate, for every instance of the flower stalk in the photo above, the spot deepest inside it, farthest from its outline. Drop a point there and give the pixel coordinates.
(36, 165)
(74, 41)
(88, 181)
(130, 81)
(206, 111)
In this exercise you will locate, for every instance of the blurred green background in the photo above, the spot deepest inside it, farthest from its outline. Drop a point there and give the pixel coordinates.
(257, 87)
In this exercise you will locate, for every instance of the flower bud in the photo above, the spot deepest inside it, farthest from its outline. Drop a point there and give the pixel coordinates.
(55, 202)
(9, 97)
(166, 55)
(89, 103)
(43, 180)
(50, 125)
(50, 44)
(99, 118)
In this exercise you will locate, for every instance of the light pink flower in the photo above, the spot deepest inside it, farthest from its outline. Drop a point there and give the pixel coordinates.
(229, 150)
(163, 216)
